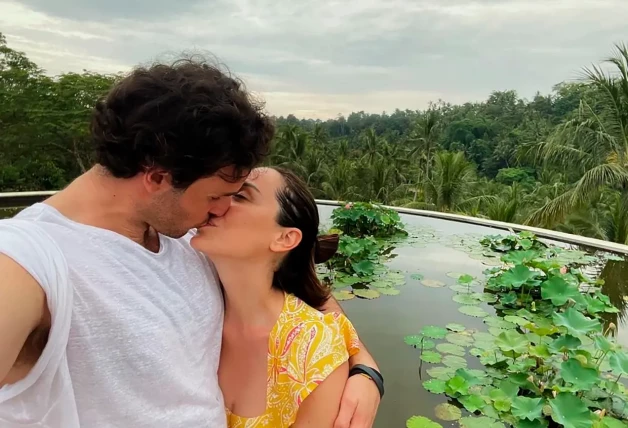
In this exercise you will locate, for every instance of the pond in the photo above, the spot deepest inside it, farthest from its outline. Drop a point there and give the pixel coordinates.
(385, 321)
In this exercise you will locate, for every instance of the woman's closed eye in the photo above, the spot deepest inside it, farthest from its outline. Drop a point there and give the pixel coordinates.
(239, 197)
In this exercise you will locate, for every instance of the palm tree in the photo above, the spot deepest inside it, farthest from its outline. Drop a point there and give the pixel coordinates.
(451, 177)
(424, 137)
(594, 143)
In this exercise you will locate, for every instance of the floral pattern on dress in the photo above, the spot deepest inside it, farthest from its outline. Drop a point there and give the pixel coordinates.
(305, 346)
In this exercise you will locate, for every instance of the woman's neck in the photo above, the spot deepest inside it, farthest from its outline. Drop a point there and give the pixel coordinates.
(250, 299)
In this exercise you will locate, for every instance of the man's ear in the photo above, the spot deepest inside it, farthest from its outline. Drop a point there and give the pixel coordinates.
(156, 180)
(287, 240)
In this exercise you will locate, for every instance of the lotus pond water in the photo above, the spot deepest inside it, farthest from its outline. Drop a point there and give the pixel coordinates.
(454, 338)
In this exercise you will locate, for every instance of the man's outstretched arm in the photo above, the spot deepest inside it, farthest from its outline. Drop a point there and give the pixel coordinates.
(22, 307)
(360, 398)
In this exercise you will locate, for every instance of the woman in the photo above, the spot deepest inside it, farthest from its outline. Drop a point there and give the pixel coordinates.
(283, 363)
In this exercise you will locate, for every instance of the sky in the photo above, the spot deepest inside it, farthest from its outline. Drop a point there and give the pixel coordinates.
(322, 58)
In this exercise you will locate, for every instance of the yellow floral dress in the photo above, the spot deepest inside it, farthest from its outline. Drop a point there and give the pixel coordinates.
(305, 346)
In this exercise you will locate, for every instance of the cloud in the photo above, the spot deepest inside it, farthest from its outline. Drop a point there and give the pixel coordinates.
(321, 58)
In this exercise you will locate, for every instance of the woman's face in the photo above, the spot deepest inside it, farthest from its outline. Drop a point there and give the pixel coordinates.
(249, 229)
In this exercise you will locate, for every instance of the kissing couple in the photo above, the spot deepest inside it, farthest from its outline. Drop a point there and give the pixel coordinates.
(173, 284)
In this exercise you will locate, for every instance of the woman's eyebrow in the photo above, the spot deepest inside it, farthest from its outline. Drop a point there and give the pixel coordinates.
(248, 185)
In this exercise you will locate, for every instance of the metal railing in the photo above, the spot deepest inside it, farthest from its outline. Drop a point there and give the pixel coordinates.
(24, 199)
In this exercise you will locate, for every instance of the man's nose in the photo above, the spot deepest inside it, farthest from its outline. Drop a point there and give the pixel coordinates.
(221, 207)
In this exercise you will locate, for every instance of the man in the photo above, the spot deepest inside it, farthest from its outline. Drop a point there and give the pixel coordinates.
(108, 318)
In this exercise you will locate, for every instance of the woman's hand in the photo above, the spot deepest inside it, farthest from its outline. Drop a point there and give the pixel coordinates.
(359, 403)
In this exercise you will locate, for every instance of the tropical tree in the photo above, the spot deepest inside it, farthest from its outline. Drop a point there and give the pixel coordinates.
(594, 143)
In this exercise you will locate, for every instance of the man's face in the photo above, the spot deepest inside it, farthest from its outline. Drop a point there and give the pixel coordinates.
(174, 212)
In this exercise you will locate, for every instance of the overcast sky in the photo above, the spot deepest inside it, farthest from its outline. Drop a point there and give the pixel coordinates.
(321, 58)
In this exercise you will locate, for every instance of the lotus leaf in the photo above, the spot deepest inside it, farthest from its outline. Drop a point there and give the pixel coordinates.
(365, 293)
(435, 386)
(454, 275)
(502, 404)
(447, 412)
(464, 289)
(459, 339)
(511, 341)
(558, 291)
(564, 343)
(474, 311)
(524, 423)
(488, 298)
(581, 377)
(508, 299)
(569, 410)
(472, 402)
(450, 348)
(619, 363)
(457, 385)
(454, 361)
(609, 422)
(496, 331)
(455, 327)
(540, 351)
(499, 323)
(417, 276)
(341, 295)
(363, 267)
(431, 357)
(441, 372)
(520, 257)
(466, 299)
(480, 422)
(517, 320)
(421, 422)
(516, 276)
(433, 332)
(389, 291)
(465, 279)
(433, 283)
(576, 323)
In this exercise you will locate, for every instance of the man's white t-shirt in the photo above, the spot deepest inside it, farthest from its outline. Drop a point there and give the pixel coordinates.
(135, 338)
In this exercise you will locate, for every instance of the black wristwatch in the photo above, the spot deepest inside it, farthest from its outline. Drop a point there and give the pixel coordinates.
(372, 374)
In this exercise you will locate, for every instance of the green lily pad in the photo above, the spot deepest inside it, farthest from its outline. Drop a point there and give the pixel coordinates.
(581, 377)
(366, 294)
(466, 299)
(498, 322)
(433, 332)
(417, 276)
(447, 412)
(419, 342)
(454, 275)
(472, 402)
(455, 327)
(433, 283)
(488, 298)
(441, 372)
(465, 279)
(459, 339)
(517, 320)
(421, 422)
(435, 386)
(527, 408)
(480, 422)
(450, 348)
(537, 423)
(463, 289)
(569, 410)
(389, 291)
(510, 341)
(558, 291)
(474, 311)
(576, 323)
(431, 357)
(609, 422)
(496, 331)
(341, 295)
(454, 361)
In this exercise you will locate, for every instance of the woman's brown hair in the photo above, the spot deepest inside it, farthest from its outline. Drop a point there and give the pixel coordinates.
(297, 272)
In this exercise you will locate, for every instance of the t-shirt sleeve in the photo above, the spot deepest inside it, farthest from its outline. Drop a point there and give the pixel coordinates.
(324, 345)
(32, 248)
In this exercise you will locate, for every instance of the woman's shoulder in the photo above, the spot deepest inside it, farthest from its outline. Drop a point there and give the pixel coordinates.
(329, 330)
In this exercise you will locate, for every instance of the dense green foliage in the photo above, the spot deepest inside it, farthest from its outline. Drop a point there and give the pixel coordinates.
(549, 357)
(558, 160)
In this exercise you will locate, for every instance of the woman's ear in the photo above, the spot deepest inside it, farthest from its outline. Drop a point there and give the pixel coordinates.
(287, 240)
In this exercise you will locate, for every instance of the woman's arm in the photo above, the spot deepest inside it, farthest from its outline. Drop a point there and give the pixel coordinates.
(320, 408)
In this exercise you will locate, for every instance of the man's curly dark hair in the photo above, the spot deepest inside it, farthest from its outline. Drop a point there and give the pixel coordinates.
(189, 118)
